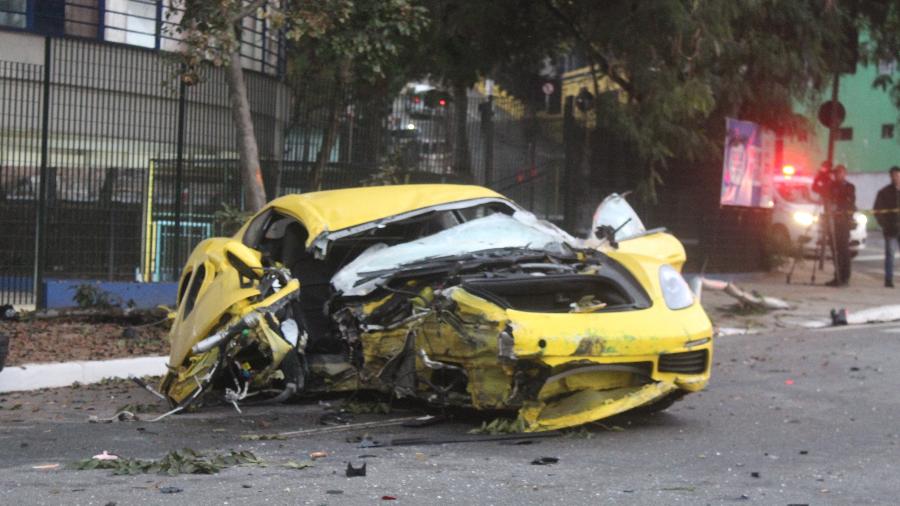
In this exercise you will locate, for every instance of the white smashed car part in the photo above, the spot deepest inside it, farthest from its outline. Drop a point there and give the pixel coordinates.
(290, 331)
(617, 213)
(495, 231)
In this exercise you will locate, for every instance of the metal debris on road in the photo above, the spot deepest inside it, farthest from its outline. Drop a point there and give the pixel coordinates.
(355, 471)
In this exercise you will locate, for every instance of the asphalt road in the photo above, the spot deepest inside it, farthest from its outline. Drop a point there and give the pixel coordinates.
(802, 417)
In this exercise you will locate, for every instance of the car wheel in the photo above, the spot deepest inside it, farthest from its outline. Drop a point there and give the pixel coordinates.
(4, 349)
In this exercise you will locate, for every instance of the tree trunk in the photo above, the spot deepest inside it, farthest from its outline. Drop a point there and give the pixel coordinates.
(462, 164)
(251, 174)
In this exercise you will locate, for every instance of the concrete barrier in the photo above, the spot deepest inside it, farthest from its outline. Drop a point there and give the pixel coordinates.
(37, 376)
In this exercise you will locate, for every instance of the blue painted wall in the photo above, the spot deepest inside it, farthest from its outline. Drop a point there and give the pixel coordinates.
(60, 292)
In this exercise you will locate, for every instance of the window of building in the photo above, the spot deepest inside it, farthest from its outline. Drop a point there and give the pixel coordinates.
(14, 13)
(845, 134)
(50, 17)
(887, 131)
(887, 67)
(82, 18)
(131, 22)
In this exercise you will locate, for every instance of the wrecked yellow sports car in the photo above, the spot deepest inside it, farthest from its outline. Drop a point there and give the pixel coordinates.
(450, 294)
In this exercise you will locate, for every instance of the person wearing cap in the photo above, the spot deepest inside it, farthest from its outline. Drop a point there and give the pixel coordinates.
(887, 214)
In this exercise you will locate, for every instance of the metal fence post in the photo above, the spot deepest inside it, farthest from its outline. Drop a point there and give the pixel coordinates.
(569, 139)
(40, 236)
(487, 127)
(179, 178)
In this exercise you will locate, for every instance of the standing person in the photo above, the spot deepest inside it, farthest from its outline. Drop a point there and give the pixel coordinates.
(841, 197)
(887, 213)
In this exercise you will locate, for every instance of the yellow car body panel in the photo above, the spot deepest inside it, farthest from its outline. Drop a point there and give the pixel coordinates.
(661, 245)
(572, 340)
(220, 278)
(333, 210)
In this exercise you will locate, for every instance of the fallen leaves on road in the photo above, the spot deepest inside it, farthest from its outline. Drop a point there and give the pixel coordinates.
(186, 461)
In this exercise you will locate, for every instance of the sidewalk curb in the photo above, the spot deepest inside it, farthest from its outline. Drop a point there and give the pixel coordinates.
(37, 376)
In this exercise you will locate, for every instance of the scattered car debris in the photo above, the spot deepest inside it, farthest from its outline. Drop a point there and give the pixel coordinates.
(262, 437)
(318, 455)
(544, 461)
(121, 416)
(475, 438)
(754, 474)
(361, 408)
(388, 498)
(752, 299)
(341, 428)
(46, 467)
(335, 419)
(425, 421)
(838, 317)
(297, 465)
(365, 441)
(501, 426)
(451, 294)
(334, 492)
(105, 456)
(355, 471)
(171, 490)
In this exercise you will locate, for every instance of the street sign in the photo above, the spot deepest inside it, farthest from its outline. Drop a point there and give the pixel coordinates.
(547, 88)
(830, 108)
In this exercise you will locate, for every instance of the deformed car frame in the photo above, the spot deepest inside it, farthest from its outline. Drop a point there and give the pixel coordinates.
(448, 293)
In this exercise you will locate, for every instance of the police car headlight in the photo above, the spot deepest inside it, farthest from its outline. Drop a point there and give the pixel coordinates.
(675, 289)
(860, 219)
(804, 218)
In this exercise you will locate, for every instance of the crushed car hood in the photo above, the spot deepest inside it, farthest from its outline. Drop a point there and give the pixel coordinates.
(493, 232)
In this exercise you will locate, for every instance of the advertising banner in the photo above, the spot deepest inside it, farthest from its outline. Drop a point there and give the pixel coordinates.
(749, 165)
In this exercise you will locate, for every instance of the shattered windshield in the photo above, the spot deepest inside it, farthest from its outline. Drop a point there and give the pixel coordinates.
(496, 231)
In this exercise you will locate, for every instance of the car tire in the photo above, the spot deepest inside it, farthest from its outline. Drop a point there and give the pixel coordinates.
(4, 349)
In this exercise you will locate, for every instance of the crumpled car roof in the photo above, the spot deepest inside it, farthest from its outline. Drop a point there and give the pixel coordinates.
(334, 210)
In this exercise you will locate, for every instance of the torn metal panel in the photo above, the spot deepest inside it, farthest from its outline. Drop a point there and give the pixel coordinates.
(482, 306)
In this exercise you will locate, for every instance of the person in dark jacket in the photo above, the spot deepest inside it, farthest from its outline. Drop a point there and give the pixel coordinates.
(887, 213)
(839, 196)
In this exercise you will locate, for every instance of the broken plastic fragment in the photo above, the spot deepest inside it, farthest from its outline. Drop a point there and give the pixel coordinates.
(355, 471)
(105, 456)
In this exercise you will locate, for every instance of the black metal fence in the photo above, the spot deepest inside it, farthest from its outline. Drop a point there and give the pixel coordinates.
(112, 169)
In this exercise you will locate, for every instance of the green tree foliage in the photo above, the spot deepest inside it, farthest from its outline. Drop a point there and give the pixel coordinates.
(365, 55)
(350, 40)
(681, 66)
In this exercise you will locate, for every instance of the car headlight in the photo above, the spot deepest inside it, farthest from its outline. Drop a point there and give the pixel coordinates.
(675, 289)
(861, 219)
(804, 218)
